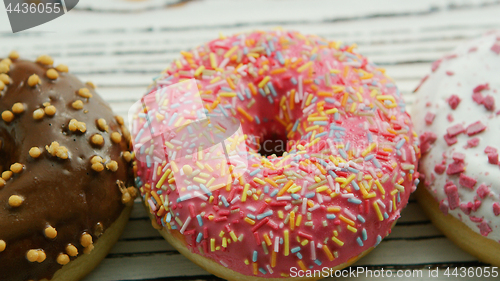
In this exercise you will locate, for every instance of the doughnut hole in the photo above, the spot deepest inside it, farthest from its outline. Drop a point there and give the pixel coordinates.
(273, 143)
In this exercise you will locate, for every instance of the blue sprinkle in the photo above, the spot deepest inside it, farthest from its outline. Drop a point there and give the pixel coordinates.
(370, 138)
(353, 170)
(313, 57)
(400, 143)
(222, 110)
(184, 197)
(148, 161)
(245, 50)
(254, 172)
(386, 216)
(294, 128)
(254, 257)
(355, 185)
(280, 57)
(257, 120)
(330, 100)
(293, 80)
(336, 116)
(224, 201)
(251, 216)
(174, 116)
(318, 262)
(332, 173)
(321, 123)
(270, 99)
(240, 96)
(330, 216)
(200, 236)
(376, 163)
(365, 235)
(310, 194)
(266, 189)
(299, 255)
(295, 250)
(295, 196)
(169, 217)
(354, 200)
(411, 171)
(247, 91)
(361, 219)
(359, 241)
(369, 157)
(265, 214)
(205, 189)
(271, 88)
(379, 239)
(320, 135)
(262, 270)
(342, 153)
(261, 91)
(337, 128)
(200, 222)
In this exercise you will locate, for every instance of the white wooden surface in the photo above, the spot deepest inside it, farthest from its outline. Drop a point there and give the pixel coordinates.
(120, 45)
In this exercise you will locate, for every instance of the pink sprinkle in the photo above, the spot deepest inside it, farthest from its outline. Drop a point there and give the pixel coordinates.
(481, 87)
(426, 139)
(477, 204)
(452, 192)
(429, 118)
(450, 73)
(473, 49)
(478, 98)
(496, 209)
(443, 206)
(453, 101)
(435, 65)
(496, 48)
(450, 118)
(490, 149)
(439, 169)
(455, 168)
(489, 103)
(475, 128)
(467, 181)
(466, 208)
(475, 219)
(455, 130)
(493, 158)
(483, 191)
(484, 228)
(458, 157)
(450, 140)
(473, 142)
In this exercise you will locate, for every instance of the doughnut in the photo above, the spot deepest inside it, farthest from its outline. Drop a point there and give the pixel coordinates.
(340, 167)
(458, 123)
(66, 185)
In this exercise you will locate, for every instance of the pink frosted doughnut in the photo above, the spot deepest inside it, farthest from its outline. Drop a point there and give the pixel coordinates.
(348, 169)
(457, 118)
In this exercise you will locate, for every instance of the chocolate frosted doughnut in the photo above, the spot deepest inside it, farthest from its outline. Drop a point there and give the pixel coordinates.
(65, 168)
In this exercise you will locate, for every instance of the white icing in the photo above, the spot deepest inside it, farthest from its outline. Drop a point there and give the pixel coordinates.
(470, 69)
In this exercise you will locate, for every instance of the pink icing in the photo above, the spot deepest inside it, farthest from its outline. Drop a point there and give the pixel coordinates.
(343, 193)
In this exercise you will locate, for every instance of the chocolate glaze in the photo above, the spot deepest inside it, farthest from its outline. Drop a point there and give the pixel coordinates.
(63, 193)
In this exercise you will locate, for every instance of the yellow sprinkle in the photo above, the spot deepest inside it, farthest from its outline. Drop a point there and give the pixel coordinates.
(352, 229)
(285, 188)
(212, 244)
(333, 209)
(244, 194)
(233, 236)
(292, 220)
(368, 149)
(346, 220)
(267, 239)
(377, 210)
(199, 70)
(348, 180)
(273, 259)
(213, 61)
(230, 52)
(174, 166)
(380, 188)
(299, 220)
(244, 113)
(305, 66)
(321, 188)
(257, 180)
(327, 251)
(227, 94)
(309, 99)
(264, 81)
(336, 240)
(249, 221)
(163, 178)
(287, 246)
(199, 180)
(331, 111)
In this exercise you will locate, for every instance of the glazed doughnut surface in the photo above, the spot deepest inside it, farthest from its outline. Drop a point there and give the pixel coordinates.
(53, 204)
(457, 118)
(348, 169)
